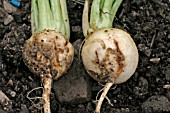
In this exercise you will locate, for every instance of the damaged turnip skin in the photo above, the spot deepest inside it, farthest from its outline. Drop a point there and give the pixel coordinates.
(110, 55)
(48, 52)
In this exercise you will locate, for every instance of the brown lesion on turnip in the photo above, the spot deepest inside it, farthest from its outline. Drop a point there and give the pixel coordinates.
(106, 66)
(40, 55)
(120, 58)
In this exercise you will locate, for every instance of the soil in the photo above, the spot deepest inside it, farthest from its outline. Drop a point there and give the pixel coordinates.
(147, 91)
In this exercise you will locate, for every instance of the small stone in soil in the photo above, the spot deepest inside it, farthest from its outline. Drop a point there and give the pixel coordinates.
(166, 86)
(168, 60)
(74, 86)
(5, 17)
(5, 102)
(13, 94)
(10, 82)
(8, 7)
(169, 36)
(156, 104)
(154, 60)
(8, 19)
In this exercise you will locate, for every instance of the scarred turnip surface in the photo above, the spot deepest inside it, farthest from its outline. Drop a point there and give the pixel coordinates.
(110, 55)
(48, 52)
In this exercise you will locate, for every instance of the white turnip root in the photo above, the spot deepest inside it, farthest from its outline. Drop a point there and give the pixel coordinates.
(48, 52)
(109, 54)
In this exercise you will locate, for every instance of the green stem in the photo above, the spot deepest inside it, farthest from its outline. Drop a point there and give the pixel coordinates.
(46, 20)
(115, 7)
(65, 18)
(95, 14)
(50, 15)
(57, 14)
(85, 18)
(34, 16)
(106, 14)
(103, 13)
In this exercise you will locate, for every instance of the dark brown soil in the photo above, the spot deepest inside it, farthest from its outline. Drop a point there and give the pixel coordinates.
(148, 22)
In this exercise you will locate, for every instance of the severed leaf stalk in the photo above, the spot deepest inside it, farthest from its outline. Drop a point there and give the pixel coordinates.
(109, 54)
(48, 52)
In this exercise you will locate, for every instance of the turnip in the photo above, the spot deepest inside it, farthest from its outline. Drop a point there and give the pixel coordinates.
(48, 52)
(109, 54)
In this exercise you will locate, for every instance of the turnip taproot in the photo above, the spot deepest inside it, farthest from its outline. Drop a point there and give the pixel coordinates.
(109, 54)
(48, 52)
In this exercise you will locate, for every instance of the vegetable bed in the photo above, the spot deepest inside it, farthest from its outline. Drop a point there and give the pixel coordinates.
(148, 90)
